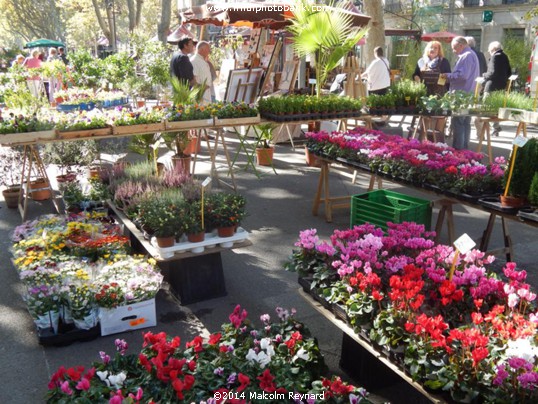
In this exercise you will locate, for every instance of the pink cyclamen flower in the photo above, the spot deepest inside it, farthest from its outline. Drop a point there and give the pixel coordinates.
(66, 389)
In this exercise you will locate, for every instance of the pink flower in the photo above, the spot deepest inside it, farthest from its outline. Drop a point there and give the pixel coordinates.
(84, 384)
(65, 388)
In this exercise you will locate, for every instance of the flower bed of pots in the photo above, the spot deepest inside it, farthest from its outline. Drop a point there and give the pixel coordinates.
(420, 163)
(472, 335)
(73, 266)
(277, 361)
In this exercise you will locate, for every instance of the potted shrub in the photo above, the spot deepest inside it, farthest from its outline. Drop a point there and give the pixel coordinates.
(264, 137)
(224, 211)
(194, 228)
(533, 192)
(525, 166)
(10, 158)
(68, 155)
(164, 216)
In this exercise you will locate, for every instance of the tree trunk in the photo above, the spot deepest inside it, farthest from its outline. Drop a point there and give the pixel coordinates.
(134, 10)
(164, 25)
(376, 32)
(104, 24)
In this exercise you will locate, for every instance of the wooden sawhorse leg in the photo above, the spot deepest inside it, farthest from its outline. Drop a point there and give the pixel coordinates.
(445, 211)
(373, 179)
(328, 202)
(507, 240)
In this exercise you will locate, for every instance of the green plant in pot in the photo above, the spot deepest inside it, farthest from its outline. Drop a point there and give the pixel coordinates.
(164, 215)
(70, 157)
(73, 196)
(224, 210)
(194, 228)
(264, 149)
(525, 167)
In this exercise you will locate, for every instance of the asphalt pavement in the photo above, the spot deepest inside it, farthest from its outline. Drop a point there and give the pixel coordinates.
(279, 206)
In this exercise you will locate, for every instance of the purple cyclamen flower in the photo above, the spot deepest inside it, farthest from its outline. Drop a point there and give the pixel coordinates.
(104, 357)
(121, 345)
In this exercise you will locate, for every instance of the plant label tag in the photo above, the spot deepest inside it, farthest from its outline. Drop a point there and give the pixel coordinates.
(441, 81)
(206, 182)
(520, 141)
(512, 77)
(464, 244)
(480, 80)
(44, 235)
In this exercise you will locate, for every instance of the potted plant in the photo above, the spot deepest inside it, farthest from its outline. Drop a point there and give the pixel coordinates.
(194, 228)
(264, 137)
(525, 166)
(224, 211)
(164, 215)
(73, 196)
(69, 156)
(10, 176)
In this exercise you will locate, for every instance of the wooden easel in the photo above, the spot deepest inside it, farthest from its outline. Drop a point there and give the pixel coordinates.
(354, 86)
(31, 159)
(271, 66)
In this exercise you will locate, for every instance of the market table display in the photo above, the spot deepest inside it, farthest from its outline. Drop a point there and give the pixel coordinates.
(445, 322)
(194, 270)
(432, 168)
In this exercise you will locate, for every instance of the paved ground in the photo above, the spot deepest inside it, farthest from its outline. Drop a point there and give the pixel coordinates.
(279, 207)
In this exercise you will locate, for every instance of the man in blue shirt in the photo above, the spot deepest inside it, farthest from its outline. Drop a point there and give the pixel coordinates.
(463, 76)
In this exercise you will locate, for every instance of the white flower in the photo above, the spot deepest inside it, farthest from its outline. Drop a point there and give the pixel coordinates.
(265, 344)
(102, 375)
(262, 358)
(522, 348)
(301, 354)
(116, 381)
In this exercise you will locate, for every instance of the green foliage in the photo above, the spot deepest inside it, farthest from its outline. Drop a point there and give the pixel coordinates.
(498, 99)
(87, 70)
(163, 214)
(118, 67)
(143, 144)
(533, 192)
(264, 134)
(518, 51)
(66, 154)
(183, 94)
(525, 168)
(328, 35)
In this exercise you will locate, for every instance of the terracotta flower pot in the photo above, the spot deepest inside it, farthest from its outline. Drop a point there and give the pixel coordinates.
(513, 201)
(164, 242)
(196, 237)
(193, 147)
(11, 196)
(40, 190)
(265, 156)
(226, 231)
(311, 159)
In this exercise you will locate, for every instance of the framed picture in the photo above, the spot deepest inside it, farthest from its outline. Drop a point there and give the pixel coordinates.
(243, 85)
(289, 75)
(267, 54)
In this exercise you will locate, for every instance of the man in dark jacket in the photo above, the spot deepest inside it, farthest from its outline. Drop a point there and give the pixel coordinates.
(496, 77)
(180, 65)
(482, 63)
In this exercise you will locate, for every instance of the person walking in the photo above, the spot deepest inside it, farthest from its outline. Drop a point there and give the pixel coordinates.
(462, 77)
(34, 82)
(202, 70)
(497, 74)
(62, 55)
(180, 65)
(378, 73)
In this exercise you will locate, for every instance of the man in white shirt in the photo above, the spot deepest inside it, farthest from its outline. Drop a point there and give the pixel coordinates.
(202, 71)
(378, 73)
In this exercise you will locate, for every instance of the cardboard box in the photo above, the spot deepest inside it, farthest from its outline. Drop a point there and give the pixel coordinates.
(127, 318)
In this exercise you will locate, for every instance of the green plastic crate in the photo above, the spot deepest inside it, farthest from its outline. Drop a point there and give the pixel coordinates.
(381, 206)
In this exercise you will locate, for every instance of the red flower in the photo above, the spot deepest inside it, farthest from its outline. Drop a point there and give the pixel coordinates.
(196, 343)
(214, 338)
(266, 381)
(244, 380)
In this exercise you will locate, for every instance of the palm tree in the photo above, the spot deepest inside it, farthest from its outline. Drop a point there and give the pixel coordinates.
(328, 34)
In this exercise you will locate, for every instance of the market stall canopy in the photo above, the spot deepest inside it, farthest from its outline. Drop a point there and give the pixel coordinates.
(441, 36)
(179, 33)
(202, 15)
(44, 43)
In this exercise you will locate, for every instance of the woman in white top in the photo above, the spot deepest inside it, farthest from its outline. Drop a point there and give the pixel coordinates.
(378, 73)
